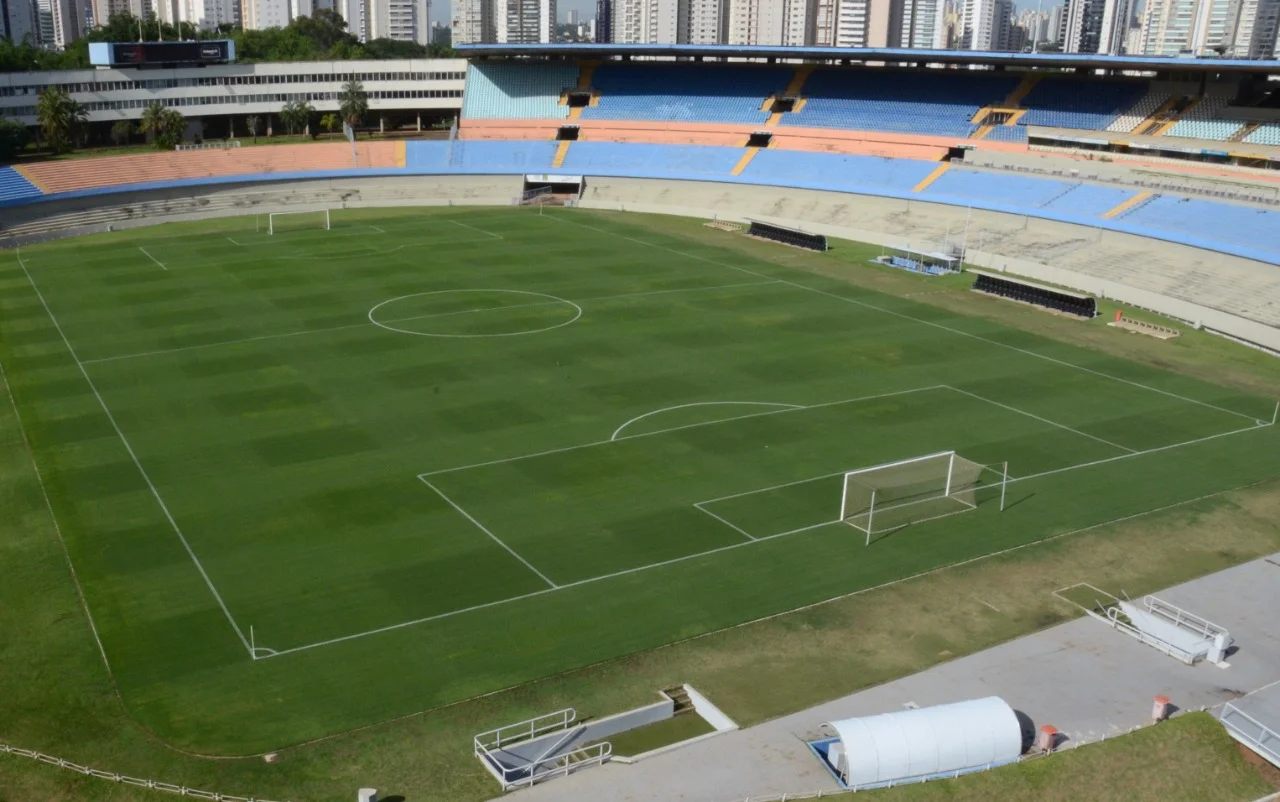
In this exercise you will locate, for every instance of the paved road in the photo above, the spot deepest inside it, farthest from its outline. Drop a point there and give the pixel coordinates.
(1082, 677)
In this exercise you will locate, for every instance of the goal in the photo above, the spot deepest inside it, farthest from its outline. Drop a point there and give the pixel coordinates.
(886, 497)
(313, 218)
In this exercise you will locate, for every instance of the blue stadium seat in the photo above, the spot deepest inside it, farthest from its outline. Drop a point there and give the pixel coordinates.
(478, 155)
(1007, 190)
(14, 187)
(1008, 133)
(1268, 134)
(1224, 222)
(794, 167)
(500, 91)
(1090, 200)
(1079, 103)
(685, 92)
(900, 102)
(655, 159)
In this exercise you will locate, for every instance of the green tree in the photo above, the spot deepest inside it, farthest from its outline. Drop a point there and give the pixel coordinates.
(61, 119)
(353, 103)
(13, 138)
(253, 122)
(121, 131)
(393, 48)
(296, 115)
(164, 126)
(331, 122)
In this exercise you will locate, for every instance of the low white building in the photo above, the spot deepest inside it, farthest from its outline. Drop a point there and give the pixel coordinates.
(411, 85)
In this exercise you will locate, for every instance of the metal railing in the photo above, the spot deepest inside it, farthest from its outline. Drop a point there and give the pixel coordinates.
(524, 730)
(1258, 743)
(225, 144)
(124, 779)
(1164, 646)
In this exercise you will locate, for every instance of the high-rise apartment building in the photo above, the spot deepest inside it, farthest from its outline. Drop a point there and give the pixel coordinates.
(645, 22)
(922, 24)
(985, 25)
(1187, 27)
(706, 22)
(473, 22)
(1255, 25)
(524, 22)
(755, 22)
(402, 20)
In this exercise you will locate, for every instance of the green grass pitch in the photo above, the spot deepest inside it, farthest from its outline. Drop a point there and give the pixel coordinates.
(321, 479)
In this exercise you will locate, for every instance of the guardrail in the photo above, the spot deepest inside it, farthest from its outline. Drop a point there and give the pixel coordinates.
(124, 779)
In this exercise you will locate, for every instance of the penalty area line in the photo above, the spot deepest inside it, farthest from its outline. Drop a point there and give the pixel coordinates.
(491, 535)
(152, 258)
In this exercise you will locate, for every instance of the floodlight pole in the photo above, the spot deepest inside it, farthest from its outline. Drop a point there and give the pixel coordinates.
(1004, 485)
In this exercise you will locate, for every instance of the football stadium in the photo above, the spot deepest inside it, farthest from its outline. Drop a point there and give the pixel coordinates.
(677, 422)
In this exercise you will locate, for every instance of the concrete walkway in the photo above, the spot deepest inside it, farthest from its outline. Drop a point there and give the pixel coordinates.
(1082, 677)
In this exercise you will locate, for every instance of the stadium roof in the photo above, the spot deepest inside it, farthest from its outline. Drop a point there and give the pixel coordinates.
(864, 54)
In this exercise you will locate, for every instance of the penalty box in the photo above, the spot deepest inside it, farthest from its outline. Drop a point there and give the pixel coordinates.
(685, 488)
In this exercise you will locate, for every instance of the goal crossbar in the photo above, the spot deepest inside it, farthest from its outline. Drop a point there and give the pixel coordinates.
(271, 218)
(892, 495)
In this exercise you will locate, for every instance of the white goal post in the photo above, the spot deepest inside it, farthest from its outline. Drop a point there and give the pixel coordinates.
(887, 497)
(271, 218)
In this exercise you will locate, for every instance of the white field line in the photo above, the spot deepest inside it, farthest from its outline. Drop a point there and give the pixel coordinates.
(1043, 420)
(473, 228)
(491, 535)
(891, 583)
(375, 228)
(152, 258)
(618, 431)
(137, 463)
(365, 323)
(595, 443)
(558, 217)
(234, 242)
(44, 492)
(730, 524)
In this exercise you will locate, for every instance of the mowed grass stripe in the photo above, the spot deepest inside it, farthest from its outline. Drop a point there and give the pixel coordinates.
(291, 462)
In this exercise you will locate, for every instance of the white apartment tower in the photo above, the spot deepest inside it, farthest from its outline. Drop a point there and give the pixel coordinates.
(1255, 28)
(473, 22)
(985, 24)
(922, 24)
(1195, 27)
(524, 22)
(646, 22)
(403, 20)
(755, 22)
(706, 22)
(1097, 26)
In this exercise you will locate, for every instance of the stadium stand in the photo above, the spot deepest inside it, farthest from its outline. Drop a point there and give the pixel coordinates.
(427, 155)
(903, 102)
(1268, 134)
(1200, 121)
(866, 172)
(642, 158)
(487, 154)
(1147, 105)
(997, 188)
(685, 93)
(14, 187)
(499, 91)
(1008, 133)
(150, 168)
(1260, 228)
(1089, 199)
(1079, 103)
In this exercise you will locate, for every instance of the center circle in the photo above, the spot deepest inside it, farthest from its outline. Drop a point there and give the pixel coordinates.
(474, 313)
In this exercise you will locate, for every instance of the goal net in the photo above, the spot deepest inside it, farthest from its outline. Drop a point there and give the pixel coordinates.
(886, 497)
(281, 222)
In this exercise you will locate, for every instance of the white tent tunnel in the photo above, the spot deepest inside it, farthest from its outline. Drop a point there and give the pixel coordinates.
(924, 744)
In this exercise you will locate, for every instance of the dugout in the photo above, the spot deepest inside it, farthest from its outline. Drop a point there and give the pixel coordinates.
(931, 263)
(1018, 289)
(923, 744)
(787, 236)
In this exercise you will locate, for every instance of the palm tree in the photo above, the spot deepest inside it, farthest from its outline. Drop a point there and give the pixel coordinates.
(353, 103)
(253, 122)
(61, 118)
(296, 115)
(331, 122)
(165, 126)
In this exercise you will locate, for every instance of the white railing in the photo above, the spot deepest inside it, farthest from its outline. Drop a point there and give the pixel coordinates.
(1158, 644)
(1183, 619)
(223, 145)
(125, 779)
(563, 765)
(524, 730)
(1258, 742)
